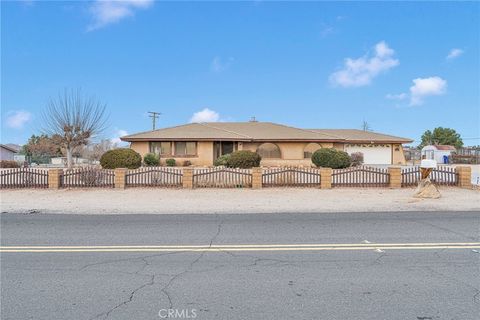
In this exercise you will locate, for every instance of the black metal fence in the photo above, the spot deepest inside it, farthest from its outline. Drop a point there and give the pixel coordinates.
(154, 177)
(291, 177)
(88, 177)
(220, 177)
(446, 176)
(361, 176)
(23, 178)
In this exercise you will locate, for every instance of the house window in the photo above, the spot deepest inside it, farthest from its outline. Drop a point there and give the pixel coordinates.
(162, 148)
(185, 148)
(269, 151)
(310, 149)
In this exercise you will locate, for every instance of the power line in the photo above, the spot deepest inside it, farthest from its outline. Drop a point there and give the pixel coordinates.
(154, 115)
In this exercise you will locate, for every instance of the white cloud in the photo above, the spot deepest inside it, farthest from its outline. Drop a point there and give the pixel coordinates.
(18, 119)
(454, 53)
(205, 115)
(360, 72)
(105, 12)
(119, 133)
(424, 87)
(219, 65)
(399, 96)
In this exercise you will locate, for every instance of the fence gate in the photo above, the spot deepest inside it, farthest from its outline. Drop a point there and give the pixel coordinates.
(222, 178)
(291, 177)
(23, 178)
(360, 176)
(87, 178)
(446, 176)
(154, 177)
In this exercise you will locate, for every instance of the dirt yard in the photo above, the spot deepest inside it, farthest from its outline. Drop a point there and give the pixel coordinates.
(162, 201)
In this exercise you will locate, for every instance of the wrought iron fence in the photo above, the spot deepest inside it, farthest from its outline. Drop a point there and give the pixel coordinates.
(220, 177)
(23, 178)
(87, 178)
(446, 176)
(291, 177)
(154, 177)
(360, 176)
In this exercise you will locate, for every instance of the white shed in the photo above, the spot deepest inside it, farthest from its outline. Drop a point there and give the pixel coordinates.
(437, 152)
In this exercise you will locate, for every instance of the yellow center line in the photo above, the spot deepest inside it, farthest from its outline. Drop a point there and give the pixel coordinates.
(250, 247)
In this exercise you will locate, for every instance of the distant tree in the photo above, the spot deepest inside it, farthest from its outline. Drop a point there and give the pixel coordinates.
(94, 151)
(41, 148)
(366, 126)
(441, 135)
(75, 119)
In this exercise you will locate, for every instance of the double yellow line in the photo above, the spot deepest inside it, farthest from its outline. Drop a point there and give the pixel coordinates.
(245, 247)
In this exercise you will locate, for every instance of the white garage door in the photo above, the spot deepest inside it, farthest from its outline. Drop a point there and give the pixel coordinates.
(374, 154)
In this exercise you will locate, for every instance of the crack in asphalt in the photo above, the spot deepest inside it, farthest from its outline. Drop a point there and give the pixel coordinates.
(189, 268)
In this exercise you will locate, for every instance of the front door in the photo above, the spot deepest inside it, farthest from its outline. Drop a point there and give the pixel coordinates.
(221, 148)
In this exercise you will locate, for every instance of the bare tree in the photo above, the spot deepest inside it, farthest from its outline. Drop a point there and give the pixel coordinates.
(75, 119)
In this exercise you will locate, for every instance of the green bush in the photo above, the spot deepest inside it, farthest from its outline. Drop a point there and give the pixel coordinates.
(331, 158)
(121, 158)
(171, 162)
(9, 164)
(244, 159)
(151, 160)
(222, 160)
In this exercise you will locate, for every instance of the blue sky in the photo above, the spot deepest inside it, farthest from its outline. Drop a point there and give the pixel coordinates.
(402, 67)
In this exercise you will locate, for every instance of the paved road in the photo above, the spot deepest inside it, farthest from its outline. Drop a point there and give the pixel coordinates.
(296, 266)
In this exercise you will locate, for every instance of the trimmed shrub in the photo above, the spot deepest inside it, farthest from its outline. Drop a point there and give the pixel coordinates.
(244, 159)
(356, 159)
(331, 158)
(121, 158)
(171, 162)
(9, 164)
(222, 160)
(151, 160)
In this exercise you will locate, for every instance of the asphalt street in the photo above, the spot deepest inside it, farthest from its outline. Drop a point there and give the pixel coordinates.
(416, 265)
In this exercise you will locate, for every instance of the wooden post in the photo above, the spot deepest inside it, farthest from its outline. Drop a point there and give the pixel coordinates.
(188, 178)
(464, 176)
(326, 178)
(120, 178)
(54, 178)
(395, 177)
(257, 178)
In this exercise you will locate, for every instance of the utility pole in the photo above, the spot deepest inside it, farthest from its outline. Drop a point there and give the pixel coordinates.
(154, 115)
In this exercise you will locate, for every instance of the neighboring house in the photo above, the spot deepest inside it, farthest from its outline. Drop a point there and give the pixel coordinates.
(439, 153)
(7, 152)
(202, 143)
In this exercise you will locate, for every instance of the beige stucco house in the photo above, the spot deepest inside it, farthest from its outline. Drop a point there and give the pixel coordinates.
(202, 143)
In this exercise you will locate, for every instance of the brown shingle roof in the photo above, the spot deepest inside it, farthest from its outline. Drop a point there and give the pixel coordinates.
(355, 135)
(238, 131)
(257, 131)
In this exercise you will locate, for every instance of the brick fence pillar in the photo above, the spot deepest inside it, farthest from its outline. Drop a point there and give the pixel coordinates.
(120, 178)
(464, 176)
(257, 178)
(326, 178)
(188, 178)
(395, 177)
(54, 178)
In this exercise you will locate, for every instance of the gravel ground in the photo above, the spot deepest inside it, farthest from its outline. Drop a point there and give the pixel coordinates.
(161, 201)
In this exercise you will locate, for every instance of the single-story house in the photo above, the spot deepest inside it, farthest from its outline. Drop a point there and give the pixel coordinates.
(439, 153)
(7, 152)
(202, 143)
